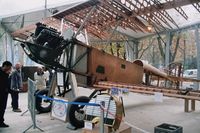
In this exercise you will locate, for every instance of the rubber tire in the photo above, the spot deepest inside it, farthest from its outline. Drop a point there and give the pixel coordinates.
(39, 108)
(71, 112)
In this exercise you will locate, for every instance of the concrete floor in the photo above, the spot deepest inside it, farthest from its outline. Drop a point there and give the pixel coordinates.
(142, 113)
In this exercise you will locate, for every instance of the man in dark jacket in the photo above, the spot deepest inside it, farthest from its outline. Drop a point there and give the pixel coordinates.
(15, 87)
(4, 86)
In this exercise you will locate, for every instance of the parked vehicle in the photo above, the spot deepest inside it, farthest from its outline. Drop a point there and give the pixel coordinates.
(190, 73)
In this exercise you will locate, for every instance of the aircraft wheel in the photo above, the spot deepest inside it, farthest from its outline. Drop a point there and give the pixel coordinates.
(76, 113)
(42, 105)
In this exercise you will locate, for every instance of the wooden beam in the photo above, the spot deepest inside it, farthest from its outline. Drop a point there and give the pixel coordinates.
(165, 6)
(186, 105)
(135, 90)
(125, 15)
(76, 8)
(193, 105)
(192, 95)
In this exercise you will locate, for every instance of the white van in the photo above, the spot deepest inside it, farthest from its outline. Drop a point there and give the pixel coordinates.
(190, 73)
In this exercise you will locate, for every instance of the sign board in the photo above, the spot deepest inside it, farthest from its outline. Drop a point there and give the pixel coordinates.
(158, 97)
(115, 91)
(31, 104)
(60, 78)
(31, 99)
(88, 125)
(125, 91)
(95, 111)
(119, 91)
(59, 110)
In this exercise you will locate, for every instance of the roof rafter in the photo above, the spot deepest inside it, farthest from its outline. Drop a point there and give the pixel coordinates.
(136, 15)
(165, 6)
(197, 6)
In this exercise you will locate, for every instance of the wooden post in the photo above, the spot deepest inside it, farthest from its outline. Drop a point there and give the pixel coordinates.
(187, 102)
(197, 39)
(150, 79)
(186, 105)
(158, 81)
(193, 105)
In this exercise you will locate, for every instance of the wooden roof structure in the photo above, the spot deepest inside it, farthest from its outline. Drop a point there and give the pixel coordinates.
(136, 15)
(25, 32)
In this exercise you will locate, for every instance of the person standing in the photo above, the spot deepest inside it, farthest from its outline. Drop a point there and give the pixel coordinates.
(40, 79)
(15, 87)
(4, 87)
(46, 74)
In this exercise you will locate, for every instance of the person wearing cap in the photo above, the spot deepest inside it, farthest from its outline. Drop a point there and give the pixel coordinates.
(15, 87)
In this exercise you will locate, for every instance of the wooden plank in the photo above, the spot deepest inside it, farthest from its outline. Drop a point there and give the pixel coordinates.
(193, 105)
(165, 6)
(186, 107)
(151, 91)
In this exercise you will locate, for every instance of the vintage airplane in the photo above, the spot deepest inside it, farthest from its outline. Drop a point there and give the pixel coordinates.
(92, 67)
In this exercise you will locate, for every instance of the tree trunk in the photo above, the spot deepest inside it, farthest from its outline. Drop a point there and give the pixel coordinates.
(111, 49)
(176, 48)
(161, 49)
(118, 48)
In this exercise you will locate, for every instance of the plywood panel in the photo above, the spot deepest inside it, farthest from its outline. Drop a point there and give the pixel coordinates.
(115, 69)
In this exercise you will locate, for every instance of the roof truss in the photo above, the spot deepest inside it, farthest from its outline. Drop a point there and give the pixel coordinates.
(136, 15)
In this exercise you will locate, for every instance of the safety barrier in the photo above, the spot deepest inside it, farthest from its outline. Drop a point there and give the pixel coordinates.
(62, 101)
(80, 103)
(102, 113)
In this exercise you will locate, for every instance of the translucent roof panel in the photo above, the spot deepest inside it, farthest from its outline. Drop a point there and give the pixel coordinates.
(134, 18)
(191, 12)
(15, 7)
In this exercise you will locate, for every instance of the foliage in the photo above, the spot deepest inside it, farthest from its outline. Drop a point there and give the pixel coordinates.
(182, 49)
(152, 49)
(115, 48)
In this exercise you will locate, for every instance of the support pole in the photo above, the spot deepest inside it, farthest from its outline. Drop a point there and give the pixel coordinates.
(131, 50)
(61, 26)
(186, 105)
(158, 82)
(45, 8)
(197, 39)
(102, 104)
(135, 47)
(193, 105)
(109, 40)
(167, 49)
(84, 21)
(167, 55)
(86, 37)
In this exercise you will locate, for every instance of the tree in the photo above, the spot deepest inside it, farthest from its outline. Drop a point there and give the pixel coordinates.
(161, 49)
(174, 48)
(143, 47)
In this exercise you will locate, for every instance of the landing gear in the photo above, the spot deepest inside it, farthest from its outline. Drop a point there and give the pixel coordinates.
(43, 105)
(76, 114)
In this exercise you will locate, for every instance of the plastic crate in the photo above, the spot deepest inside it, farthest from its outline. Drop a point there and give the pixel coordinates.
(168, 128)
